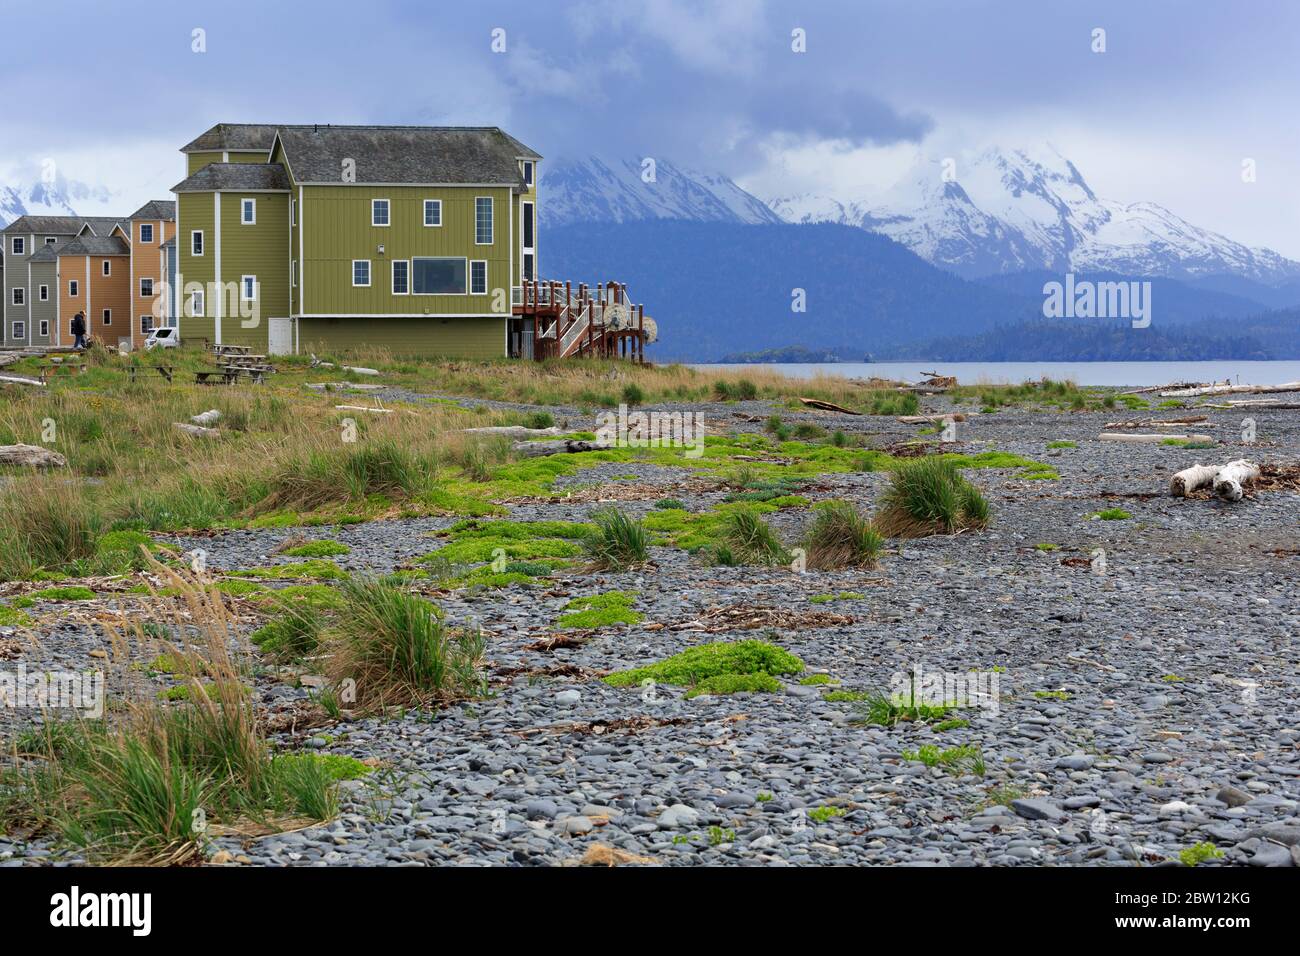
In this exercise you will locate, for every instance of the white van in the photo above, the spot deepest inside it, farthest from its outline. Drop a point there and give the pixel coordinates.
(162, 339)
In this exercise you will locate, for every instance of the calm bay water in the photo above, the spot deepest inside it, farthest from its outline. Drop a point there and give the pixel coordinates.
(1134, 374)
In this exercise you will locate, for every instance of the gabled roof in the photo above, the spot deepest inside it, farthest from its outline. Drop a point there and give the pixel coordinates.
(94, 246)
(423, 155)
(157, 209)
(100, 225)
(236, 176)
(241, 137)
(47, 225)
(46, 253)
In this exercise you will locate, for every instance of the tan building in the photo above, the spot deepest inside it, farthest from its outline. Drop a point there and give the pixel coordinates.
(94, 277)
(153, 229)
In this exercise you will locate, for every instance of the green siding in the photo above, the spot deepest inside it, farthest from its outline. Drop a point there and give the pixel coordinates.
(261, 250)
(194, 211)
(196, 161)
(338, 230)
(483, 338)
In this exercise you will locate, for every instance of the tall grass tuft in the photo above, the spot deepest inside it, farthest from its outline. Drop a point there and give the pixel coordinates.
(841, 537)
(48, 522)
(619, 541)
(394, 649)
(930, 496)
(748, 539)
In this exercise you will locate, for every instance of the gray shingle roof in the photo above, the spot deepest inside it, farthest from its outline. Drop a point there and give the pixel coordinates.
(47, 225)
(102, 225)
(46, 253)
(162, 209)
(216, 176)
(94, 246)
(169, 244)
(405, 154)
(237, 136)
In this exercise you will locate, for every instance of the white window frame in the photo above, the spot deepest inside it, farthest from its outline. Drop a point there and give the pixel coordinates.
(243, 289)
(464, 291)
(492, 212)
(470, 277)
(18, 245)
(106, 316)
(146, 324)
(143, 227)
(293, 273)
(143, 294)
(529, 170)
(198, 303)
(246, 205)
(293, 212)
(107, 267)
(203, 244)
(43, 293)
(432, 203)
(45, 328)
(74, 289)
(388, 213)
(18, 329)
(51, 240)
(18, 296)
(355, 283)
(407, 264)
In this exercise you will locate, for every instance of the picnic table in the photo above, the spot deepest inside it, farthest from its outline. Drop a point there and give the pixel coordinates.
(164, 370)
(44, 372)
(231, 349)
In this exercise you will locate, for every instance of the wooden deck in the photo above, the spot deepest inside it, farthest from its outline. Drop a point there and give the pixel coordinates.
(556, 320)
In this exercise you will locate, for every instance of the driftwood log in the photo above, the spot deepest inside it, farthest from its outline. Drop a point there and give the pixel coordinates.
(564, 446)
(1160, 423)
(943, 417)
(364, 408)
(197, 431)
(1156, 438)
(208, 418)
(1192, 479)
(32, 456)
(828, 406)
(21, 380)
(1233, 478)
(1227, 389)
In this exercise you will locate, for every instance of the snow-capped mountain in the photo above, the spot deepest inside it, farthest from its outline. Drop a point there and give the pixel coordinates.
(628, 190)
(60, 198)
(1002, 212)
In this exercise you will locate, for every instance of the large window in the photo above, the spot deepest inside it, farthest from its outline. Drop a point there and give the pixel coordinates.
(20, 330)
(478, 277)
(433, 212)
(401, 277)
(379, 212)
(483, 221)
(361, 272)
(146, 232)
(438, 276)
(146, 324)
(18, 246)
(146, 288)
(18, 295)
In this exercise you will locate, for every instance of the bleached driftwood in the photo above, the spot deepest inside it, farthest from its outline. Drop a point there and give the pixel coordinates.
(511, 431)
(1192, 479)
(1156, 438)
(1259, 403)
(33, 456)
(358, 369)
(198, 431)
(1234, 477)
(564, 446)
(1226, 389)
(346, 386)
(20, 380)
(1168, 386)
(941, 417)
(208, 418)
(364, 408)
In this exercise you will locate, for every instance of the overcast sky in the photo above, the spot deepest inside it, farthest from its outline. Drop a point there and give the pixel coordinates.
(1185, 91)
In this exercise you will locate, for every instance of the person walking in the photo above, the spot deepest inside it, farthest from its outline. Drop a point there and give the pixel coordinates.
(79, 331)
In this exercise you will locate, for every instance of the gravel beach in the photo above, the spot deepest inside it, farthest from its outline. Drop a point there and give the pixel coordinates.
(1142, 707)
